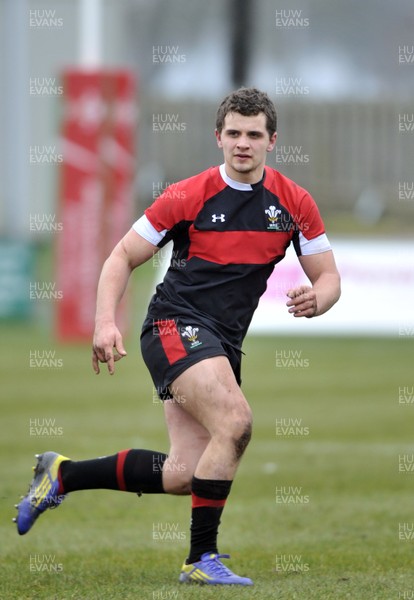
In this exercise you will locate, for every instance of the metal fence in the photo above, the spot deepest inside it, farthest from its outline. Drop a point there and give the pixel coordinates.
(344, 153)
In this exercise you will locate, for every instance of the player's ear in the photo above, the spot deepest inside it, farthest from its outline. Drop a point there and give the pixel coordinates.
(218, 138)
(272, 142)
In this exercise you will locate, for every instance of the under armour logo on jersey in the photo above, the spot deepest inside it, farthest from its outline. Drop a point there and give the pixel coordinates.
(221, 218)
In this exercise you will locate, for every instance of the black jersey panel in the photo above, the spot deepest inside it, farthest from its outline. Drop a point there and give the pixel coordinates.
(255, 210)
(226, 297)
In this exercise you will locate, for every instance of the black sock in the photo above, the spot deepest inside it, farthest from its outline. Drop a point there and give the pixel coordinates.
(208, 500)
(138, 471)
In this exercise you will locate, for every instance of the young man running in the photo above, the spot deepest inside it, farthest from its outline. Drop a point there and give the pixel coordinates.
(230, 225)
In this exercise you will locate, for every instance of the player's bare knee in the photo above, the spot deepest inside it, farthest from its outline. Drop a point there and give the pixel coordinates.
(240, 430)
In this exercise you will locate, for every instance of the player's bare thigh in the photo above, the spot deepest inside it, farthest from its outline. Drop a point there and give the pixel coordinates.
(212, 395)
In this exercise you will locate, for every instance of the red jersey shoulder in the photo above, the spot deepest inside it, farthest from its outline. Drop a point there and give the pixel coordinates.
(183, 200)
(298, 201)
(288, 191)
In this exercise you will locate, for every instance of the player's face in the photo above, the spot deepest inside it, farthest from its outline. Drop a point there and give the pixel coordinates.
(245, 142)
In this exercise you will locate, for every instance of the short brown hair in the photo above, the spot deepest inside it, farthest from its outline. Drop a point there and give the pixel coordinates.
(248, 102)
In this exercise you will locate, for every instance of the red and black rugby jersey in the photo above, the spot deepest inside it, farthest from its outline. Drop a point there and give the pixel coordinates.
(227, 238)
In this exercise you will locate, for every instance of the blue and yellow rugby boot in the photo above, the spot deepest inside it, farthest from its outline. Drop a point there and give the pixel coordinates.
(43, 491)
(211, 571)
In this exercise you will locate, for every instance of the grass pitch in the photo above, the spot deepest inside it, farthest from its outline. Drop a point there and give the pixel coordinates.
(322, 507)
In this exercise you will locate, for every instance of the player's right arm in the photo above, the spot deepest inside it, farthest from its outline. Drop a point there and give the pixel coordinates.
(145, 238)
(133, 250)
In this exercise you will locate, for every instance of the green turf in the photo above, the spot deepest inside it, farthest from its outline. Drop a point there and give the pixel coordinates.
(337, 458)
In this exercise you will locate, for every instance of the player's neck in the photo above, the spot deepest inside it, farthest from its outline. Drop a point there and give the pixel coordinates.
(250, 177)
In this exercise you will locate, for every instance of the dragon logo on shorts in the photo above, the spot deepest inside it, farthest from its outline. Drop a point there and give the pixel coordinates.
(191, 334)
(272, 217)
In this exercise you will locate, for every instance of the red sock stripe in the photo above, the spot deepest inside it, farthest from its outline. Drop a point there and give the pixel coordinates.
(120, 469)
(59, 475)
(197, 502)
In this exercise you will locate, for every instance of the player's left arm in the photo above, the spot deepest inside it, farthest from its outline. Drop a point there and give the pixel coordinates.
(312, 301)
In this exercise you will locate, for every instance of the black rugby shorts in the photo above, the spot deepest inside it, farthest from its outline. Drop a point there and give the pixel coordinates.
(170, 346)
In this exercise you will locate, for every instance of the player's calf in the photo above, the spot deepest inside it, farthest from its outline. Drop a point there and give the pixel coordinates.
(177, 476)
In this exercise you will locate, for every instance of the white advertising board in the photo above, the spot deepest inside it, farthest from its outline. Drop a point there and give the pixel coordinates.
(377, 292)
(377, 280)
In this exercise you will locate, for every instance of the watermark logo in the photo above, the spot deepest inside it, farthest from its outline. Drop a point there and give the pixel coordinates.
(406, 595)
(406, 122)
(406, 463)
(44, 86)
(291, 86)
(286, 155)
(406, 395)
(44, 18)
(44, 427)
(170, 191)
(278, 220)
(290, 563)
(168, 532)
(44, 359)
(44, 290)
(406, 54)
(169, 327)
(157, 463)
(406, 190)
(162, 327)
(44, 155)
(156, 392)
(50, 502)
(164, 595)
(291, 495)
(44, 222)
(291, 19)
(406, 532)
(171, 465)
(291, 359)
(44, 563)
(298, 218)
(406, 330)
(168, 55)
(177, 397)
(291, 427)
(167, 122)
(163, 254)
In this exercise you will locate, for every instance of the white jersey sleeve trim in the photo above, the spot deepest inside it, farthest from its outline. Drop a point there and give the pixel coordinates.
(315, 246)
(148, 231)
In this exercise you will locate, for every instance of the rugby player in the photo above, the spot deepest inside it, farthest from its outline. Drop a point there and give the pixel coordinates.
(230, 225)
